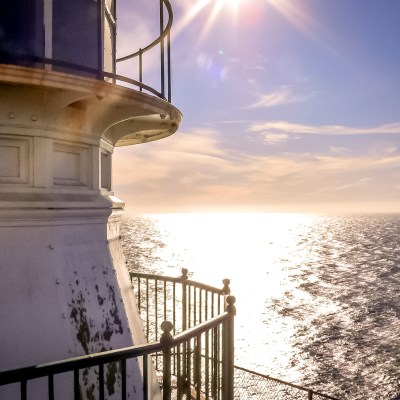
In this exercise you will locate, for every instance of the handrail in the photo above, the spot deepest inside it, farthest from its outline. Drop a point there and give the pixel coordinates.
(310, 392)
(165, 278)
(156, 41)
(70, 364)
(199, 329)
(88, 70)
(91, 360)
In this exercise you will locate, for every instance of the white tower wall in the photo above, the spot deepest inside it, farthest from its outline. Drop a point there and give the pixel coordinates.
(65, 290)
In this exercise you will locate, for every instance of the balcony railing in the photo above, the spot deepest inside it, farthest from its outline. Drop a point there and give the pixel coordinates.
(97, 68)
(188, 303)
(201, 367)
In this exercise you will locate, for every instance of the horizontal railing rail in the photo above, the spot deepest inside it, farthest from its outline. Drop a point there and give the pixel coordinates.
(164, 33)
(44, 62)
(166, 344)
(256, 386)
(91, 360)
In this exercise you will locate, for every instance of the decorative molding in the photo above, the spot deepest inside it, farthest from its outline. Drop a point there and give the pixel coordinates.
(71, 165)
(105, 168)
(15, 160)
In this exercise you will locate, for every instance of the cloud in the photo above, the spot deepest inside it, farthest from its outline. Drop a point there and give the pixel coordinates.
(284, 95)
(274, 138)
(361, 182)
(281, 127)
(340, 150)
(191, 172)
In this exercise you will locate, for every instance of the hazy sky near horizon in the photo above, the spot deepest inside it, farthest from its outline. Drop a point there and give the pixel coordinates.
(288, 105)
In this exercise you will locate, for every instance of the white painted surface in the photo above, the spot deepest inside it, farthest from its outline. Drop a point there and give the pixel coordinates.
(64, 287)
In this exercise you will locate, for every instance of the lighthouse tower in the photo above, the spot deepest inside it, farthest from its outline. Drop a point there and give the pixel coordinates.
(64, 288)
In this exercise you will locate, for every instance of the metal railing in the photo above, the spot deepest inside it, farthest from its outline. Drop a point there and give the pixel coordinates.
(206, 368)
(135, 79)
(255, 386)
(188, 303)
(164, 40)
(195, 363)
(184, 302)
(193, 356)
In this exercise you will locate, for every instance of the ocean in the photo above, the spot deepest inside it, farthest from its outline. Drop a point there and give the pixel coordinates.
(317, 295)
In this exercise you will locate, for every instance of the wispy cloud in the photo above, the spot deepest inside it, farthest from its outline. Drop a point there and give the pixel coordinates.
(193, 172)
(292, 128)
(340, 150)
(284, 95)
(361, 182)
(274, 138)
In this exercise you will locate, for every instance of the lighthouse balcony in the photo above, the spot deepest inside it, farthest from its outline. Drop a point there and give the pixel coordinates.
(60, 74)
(81, 38)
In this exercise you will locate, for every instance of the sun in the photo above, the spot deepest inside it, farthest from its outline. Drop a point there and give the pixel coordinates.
(216, 9)
(232, 4)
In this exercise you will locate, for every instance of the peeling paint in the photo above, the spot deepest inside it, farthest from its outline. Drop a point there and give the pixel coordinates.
(111, 377)
(90, 392)
(94, 314)
(78, 315)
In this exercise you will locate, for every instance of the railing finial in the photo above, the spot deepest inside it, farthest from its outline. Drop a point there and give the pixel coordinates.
(166, 327)
(184, 276)
(226, 289)
(230, 305)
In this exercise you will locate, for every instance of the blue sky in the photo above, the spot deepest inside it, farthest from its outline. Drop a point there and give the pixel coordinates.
(288, 105)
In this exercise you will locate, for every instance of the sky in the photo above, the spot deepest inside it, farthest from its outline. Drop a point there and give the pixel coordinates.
(288, 106)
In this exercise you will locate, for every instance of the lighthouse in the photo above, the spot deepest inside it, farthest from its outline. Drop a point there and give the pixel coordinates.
(64, 287)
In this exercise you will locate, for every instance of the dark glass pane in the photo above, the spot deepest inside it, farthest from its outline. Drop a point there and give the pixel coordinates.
(21, 29)
(76, 32)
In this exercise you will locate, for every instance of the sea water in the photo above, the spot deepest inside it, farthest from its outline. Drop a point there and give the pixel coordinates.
(317, 295)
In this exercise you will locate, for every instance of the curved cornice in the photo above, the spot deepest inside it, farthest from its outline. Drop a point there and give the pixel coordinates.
(58, 102)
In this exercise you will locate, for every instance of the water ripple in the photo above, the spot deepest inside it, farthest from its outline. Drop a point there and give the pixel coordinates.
(318, 296)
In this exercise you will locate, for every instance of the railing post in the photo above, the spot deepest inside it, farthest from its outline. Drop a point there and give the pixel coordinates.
(162, 49)
(141, 69)
(182, 378)
(228, 351)
(310, 395)
(166, 341)
(184, 278)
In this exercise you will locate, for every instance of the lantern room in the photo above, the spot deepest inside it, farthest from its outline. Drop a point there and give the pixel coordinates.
(79, 33)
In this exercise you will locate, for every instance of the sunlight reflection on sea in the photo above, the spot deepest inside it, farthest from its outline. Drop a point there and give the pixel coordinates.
(317, 296)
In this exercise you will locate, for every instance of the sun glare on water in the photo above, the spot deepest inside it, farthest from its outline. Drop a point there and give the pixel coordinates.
(255, 251)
